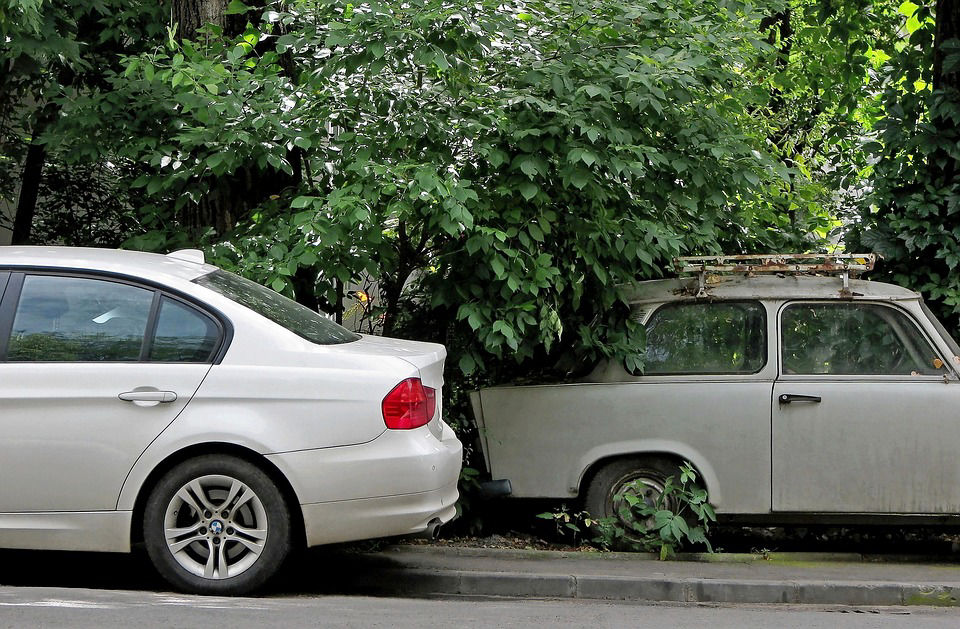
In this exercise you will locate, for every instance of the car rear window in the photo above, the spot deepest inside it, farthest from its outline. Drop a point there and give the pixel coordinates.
(283, 311)
(706, 338)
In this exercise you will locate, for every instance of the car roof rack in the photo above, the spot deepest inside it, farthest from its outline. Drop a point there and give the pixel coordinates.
(842, 264)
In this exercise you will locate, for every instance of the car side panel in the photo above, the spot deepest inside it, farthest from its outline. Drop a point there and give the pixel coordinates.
(271, 409)
(543, 438)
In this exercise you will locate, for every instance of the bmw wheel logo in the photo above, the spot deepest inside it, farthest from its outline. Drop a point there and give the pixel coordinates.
(216, 527)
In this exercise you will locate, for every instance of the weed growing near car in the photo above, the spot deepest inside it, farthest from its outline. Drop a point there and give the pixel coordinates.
(679, 515)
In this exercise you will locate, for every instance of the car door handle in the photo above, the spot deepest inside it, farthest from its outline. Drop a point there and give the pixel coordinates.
(163, 397)
(789, 398)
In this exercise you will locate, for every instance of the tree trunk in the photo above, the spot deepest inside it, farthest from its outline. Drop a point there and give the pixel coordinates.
(948, 28)
(190, 15)
(941, 165)
(29, 189)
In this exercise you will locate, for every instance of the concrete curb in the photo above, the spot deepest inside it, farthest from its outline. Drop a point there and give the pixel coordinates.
(417, 581)
(521, 553)
(438, 570)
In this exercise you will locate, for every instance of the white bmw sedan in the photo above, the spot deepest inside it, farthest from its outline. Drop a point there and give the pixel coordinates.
(160, 399)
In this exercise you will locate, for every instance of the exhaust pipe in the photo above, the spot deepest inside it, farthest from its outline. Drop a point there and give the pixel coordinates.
(432, 531)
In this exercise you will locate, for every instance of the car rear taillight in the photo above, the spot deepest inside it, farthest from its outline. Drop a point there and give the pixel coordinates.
(409, 405)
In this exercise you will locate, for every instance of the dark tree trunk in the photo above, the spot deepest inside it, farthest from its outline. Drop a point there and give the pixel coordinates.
(940, 163)
(29, 189)
(190, 15)
(948, 28)
(32, 175)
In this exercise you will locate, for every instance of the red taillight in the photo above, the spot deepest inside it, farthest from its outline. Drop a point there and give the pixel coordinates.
(409, 405)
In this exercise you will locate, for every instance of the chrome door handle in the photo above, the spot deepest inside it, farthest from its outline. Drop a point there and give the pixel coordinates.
(788, 398)
(163, 397)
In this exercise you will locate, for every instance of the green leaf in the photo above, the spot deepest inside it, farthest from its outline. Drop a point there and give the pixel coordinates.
(302, 202)
(278, 284)
(528, 190)
(535, 232)
(498, 268)
(580, 178)
(529, 166)
(236, 7)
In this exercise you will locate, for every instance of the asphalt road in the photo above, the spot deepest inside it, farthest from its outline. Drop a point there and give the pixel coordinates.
(101, 591)
(105, 609)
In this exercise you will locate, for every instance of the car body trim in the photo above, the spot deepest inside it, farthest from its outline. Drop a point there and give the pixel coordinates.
(98, 531)
(8, 307)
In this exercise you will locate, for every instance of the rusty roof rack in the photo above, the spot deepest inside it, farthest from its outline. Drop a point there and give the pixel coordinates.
(842, 264)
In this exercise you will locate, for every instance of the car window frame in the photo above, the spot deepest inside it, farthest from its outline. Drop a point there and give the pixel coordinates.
(781, 375)
(154, 321)
(717, 374)
(10, 300)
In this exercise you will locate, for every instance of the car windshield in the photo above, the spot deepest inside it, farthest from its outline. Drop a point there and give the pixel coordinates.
(293, 316)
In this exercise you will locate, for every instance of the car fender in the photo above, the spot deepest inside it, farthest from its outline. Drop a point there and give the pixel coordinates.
(161, 449)
(641, 447)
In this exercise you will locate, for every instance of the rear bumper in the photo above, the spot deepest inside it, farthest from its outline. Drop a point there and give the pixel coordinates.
(393, 485)
(367, 518)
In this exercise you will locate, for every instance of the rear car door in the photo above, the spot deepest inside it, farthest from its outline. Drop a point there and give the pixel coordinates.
(92, 369)
(864, 413)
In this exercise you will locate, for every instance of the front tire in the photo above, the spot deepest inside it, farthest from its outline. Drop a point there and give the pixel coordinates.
(217, 524)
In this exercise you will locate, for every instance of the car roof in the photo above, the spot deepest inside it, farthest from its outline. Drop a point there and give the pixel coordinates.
(138, 264)
(765, 287)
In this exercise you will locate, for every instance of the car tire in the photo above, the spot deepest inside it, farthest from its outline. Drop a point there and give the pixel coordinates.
(217, 524)
(604, 493)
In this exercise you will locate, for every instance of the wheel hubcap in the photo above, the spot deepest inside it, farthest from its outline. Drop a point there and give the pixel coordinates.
(215, 527)
(645, 488)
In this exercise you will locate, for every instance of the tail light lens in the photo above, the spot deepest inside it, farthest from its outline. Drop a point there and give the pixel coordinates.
(409, 405)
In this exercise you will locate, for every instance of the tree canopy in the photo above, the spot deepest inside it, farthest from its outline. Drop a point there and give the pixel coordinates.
(501, 170)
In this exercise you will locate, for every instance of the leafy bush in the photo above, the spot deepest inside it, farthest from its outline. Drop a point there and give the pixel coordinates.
(680, 515)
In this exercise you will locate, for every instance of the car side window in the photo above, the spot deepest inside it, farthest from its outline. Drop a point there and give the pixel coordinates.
(706, 338)
(77, 319)
(854, 339)
(183, 334)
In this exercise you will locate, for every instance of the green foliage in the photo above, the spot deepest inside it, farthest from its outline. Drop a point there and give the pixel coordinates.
(570, 523)
(910, 217)
(518, 165)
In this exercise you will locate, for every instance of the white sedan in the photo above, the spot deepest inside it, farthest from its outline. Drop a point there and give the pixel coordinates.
(160, 399)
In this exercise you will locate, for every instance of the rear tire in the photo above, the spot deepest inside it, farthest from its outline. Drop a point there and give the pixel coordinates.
(606, 490)
(217, 524)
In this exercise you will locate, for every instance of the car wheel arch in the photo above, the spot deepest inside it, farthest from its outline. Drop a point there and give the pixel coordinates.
(706, 477)
(228, 449)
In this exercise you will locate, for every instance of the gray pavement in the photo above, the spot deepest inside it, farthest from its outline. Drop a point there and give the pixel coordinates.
(797, 578)
(80, 608)
(406, 571)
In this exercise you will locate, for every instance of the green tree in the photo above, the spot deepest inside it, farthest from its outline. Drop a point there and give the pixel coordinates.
(52, 53)
(911, 215)
(512, 165)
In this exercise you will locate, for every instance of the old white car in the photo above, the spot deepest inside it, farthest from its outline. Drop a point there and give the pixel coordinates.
(792, 394)
(160, 399)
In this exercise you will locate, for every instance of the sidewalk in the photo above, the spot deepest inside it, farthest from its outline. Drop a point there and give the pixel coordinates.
(815, 578)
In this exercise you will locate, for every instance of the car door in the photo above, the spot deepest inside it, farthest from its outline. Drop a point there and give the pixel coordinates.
(864, 413)
(91, 372)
